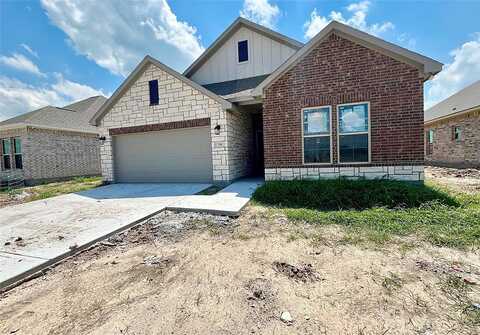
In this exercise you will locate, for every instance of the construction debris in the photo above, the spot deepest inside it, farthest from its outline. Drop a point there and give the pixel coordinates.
(286, 317)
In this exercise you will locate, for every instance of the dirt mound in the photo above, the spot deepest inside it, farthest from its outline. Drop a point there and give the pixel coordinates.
(302, 272)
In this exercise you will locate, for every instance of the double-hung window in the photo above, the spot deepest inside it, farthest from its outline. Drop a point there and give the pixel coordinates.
(6, 153)
(317, 135)
(11, 153)
(353, 133)
(17, 153)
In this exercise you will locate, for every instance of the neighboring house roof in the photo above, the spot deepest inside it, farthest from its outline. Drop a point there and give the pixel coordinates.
(237, 24)
(137, 72)
(235, 86)
(428, 66)
(73, 117)
(462, 101)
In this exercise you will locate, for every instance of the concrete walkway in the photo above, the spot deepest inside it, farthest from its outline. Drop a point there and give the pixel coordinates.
(35, 235)
(55, 228)
(229, 201)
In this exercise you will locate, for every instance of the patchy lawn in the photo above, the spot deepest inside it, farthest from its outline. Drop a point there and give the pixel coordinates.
(377, 211)
(189, 273)
(25, 194)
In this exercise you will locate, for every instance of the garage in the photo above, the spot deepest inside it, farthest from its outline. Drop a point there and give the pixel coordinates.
(180, 155)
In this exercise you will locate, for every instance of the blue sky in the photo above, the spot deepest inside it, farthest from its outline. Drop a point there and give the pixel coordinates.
(54, 52)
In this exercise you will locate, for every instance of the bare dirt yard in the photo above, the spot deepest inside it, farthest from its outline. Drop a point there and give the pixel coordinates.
(262, 273)
(466, 180)
(20, 195)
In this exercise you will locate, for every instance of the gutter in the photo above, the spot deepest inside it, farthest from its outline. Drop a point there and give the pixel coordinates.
(448, 116)
(33, 126)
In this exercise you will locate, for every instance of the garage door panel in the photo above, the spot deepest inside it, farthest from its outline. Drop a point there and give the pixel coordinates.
(164, 156)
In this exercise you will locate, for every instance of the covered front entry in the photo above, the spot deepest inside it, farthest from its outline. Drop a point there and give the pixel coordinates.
(180, 155)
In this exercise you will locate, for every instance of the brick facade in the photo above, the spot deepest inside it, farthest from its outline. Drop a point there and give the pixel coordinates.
(340, 71)
(54, 154)
(447, 151)
(179, 102)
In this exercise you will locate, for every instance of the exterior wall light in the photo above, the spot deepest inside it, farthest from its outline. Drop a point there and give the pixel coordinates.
(217, 129)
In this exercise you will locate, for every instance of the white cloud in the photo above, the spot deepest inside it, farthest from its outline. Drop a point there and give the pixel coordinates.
(29, 50)
(461, 72)
(407, 41)
(72, 90)
(261, 12)
(118, 34)
(21, 63)
(358, 19)
(17, 97)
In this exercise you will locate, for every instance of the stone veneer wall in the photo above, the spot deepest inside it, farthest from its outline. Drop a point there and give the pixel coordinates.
(241, 141)
(178, 102)
(397, 172)
(446, 151)
(54, 154)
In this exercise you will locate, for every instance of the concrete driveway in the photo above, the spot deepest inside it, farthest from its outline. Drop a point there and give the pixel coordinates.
(50, 228)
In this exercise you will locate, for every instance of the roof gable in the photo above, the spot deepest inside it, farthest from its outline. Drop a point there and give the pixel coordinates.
(427, 66)
(229, 32)
(95, 120)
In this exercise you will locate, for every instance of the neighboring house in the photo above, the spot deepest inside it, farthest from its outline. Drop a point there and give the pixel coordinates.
(257, 102)
(452, 130)
(51, 143)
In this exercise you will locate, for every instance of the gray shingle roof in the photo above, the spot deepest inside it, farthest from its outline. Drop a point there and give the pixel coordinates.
(234, 86)
(75, 116)
(463, 100)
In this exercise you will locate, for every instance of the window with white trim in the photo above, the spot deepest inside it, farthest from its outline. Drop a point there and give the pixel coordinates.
(317, 135)
(353, 133)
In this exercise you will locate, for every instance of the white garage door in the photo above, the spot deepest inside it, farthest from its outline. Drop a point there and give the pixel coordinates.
(181, 155)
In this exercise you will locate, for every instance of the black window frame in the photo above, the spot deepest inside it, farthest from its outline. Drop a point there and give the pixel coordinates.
(243, 54)
(153, 92)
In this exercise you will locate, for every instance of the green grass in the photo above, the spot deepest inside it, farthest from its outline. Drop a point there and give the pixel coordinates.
(48, 190)
(77, 184)
(349, 194)
(376, 211)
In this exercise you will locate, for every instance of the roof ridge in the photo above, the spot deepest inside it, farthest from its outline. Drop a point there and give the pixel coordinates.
(138, 71)
(429, 67)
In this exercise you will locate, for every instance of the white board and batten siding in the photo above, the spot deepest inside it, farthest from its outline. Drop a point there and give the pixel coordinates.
(264, 56)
